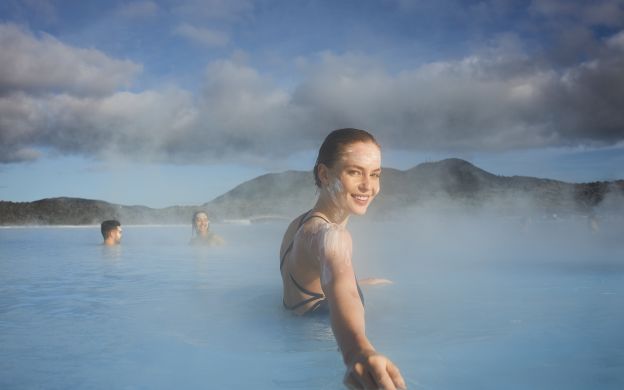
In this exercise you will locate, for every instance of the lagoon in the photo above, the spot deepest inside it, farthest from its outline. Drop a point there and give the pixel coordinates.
(477, 303)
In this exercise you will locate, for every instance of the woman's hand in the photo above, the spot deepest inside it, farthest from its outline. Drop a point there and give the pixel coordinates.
(370, 370)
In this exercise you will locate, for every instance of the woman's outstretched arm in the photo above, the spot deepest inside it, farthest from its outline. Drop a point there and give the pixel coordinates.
(366, 369)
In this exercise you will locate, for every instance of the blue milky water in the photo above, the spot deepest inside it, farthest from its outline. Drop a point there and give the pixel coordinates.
(500, 304)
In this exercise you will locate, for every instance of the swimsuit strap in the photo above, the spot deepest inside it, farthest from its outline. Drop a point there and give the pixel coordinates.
(317, 216)
(359, 292)
(306, 291)
(314, 296)
(304, 218)
(301, 222)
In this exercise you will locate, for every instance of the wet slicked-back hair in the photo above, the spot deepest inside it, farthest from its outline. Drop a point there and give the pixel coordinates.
(196, 213)
(107, 226)
(334, 145)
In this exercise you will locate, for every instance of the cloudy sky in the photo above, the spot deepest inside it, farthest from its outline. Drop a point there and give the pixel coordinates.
(176, 102)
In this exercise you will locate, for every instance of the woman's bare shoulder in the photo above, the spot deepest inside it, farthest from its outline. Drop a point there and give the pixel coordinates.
(333, 242)
(291, 230)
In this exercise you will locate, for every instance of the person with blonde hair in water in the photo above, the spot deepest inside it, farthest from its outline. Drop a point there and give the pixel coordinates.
(201, 234)
(315, 256)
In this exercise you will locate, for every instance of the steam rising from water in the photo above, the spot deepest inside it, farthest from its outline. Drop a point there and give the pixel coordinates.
(538, 303)
(482, 294)
(431, 238)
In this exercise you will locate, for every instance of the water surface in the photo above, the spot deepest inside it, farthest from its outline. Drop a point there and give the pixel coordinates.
(473, 307)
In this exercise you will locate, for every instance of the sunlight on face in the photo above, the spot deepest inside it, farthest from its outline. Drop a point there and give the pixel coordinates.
(116, 234)
(354, 182)
(363, 154)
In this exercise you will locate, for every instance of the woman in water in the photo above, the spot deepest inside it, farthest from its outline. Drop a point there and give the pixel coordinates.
(201, 231)
(315, 256)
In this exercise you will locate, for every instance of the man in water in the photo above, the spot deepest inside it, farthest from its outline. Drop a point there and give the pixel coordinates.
(111, 231)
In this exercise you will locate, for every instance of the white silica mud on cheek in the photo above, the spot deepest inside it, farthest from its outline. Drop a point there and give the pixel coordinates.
(335, 188)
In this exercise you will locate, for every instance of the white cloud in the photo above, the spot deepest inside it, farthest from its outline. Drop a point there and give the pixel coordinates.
(19, 155)
(202, 36)
(66, 99)
(616, 41)
(44, 64)
(477, 103)
(123, 125)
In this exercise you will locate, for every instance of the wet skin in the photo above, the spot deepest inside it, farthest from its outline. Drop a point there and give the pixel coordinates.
(320, 260)
(114, 236)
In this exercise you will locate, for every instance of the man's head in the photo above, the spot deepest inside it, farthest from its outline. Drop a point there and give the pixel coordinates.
(111, 232)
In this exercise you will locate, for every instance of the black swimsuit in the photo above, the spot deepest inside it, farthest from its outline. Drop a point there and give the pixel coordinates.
(321, 306)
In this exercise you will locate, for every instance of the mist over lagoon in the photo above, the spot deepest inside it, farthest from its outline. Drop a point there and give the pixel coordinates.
(499, 221)
(477, 302)
(446, 187)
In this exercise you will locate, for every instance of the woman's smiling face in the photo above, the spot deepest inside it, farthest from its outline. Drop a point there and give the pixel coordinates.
(202, 223)
(354, 178)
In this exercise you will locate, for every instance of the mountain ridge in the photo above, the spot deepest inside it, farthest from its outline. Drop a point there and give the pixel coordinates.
(447, 184)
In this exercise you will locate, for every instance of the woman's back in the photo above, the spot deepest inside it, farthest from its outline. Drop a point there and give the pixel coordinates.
(300, 266)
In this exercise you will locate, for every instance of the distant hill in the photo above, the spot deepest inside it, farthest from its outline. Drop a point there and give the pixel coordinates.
(451, 184)
(76, 211)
